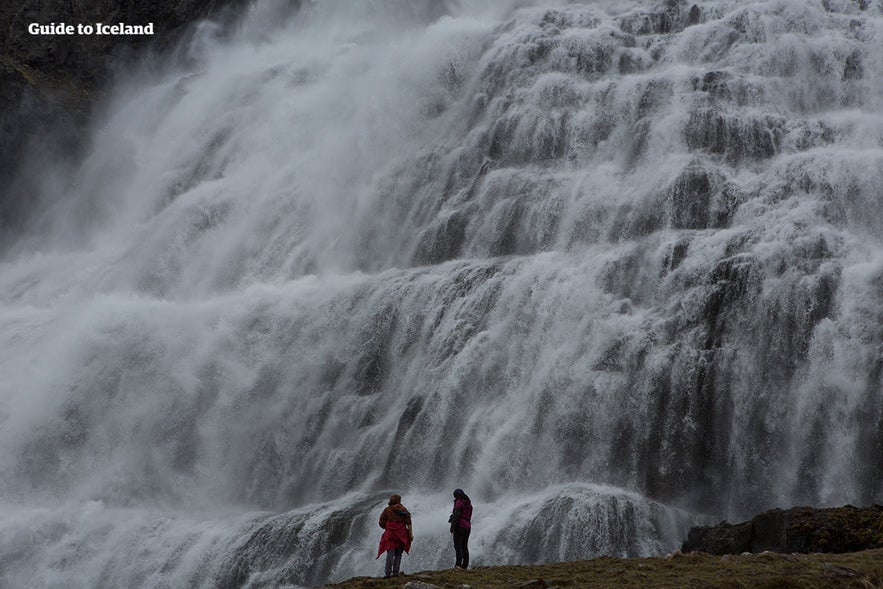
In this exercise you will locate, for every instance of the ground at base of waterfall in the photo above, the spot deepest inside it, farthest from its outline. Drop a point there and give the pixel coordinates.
(692, 570)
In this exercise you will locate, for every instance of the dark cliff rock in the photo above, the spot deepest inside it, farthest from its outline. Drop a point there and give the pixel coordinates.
(49, 82)
(800, 529)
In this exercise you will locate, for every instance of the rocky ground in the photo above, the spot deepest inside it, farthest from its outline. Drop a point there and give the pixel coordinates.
(796, 548)
(766, 570)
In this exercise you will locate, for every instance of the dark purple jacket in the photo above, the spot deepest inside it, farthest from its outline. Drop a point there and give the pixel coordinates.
(462, 515)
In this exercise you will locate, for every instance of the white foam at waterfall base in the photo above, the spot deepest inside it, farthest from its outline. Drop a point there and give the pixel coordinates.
(91, 544)
(608, 267)
(81, 545)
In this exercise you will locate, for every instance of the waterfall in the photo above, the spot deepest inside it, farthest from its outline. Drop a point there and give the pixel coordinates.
(614, 268)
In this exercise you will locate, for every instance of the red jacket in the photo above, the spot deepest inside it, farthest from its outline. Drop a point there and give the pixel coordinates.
(396, 522)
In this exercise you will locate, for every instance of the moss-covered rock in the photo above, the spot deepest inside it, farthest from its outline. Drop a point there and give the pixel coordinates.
(800, 529)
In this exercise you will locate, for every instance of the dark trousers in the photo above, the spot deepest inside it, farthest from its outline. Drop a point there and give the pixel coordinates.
(393, 561)
(461, 546)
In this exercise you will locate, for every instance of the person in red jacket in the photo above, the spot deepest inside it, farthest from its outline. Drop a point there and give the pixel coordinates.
(461, 525)
(397, 535)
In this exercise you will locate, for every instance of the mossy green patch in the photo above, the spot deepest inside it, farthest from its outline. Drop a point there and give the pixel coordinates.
(67, 92)
(858, 570)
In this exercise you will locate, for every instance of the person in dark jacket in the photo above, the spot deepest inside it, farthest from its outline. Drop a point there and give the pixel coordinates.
(397, 535)
(461, 525)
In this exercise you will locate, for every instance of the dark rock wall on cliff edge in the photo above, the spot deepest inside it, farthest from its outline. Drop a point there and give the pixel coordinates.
(799, 529)
(48, 83)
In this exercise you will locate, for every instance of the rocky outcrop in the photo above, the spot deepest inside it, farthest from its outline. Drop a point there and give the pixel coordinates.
(800, 529)
(83, 56)
(49, 82)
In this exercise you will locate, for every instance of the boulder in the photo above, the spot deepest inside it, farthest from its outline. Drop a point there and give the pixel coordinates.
(800, 529)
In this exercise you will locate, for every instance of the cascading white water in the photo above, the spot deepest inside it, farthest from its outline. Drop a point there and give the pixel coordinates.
(609, 267)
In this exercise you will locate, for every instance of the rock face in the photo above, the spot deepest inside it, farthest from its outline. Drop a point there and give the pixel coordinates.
(800, 529)
(48, 82)
(82, 56)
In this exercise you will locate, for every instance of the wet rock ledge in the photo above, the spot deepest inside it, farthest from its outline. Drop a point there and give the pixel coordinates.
(799, 529)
